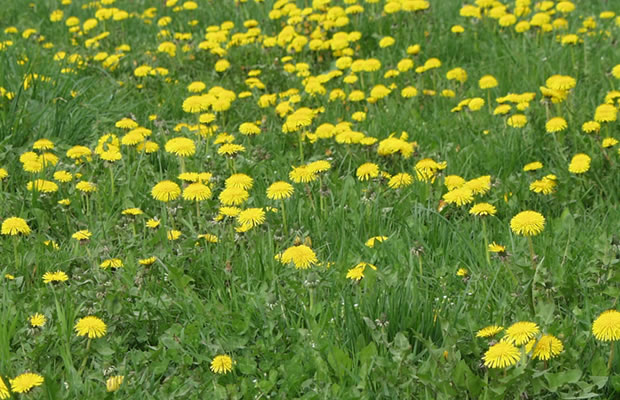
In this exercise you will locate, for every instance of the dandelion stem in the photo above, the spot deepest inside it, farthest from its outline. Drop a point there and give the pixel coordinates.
(532, 254)
(301, 147)
(15, 253)
(111, 181)
(85, 357)
(486, 241)
(611, 355)
(198, 211)
(182, 161)
(321, 200)
(283, 216)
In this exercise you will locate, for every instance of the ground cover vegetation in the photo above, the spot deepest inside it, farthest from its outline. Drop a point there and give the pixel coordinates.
(309, 199)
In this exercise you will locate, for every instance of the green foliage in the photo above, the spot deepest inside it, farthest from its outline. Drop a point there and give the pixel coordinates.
(407, 329)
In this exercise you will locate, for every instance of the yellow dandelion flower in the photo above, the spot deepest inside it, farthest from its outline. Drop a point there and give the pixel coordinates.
(82, 235)
(482, 209)
(501, 355)
(303, 174)
(25, 382)
(221, 364)
(579, 164)
(521, 332)
(556, 124)
(197, 192)
(173, 234)
(113, 383)
(166, 191)
(15, 226)
(37, 320)
(90, 326)
(242, 181)
(54, 277)
(4, 390)
(301, 256)
(459, 196)
(233, 196)
(280, 190)
(400, 180)
(527, 223)
(548, 346)
(606, 327)
(111, 263)
(251, 217)
(533, 166)
(373, 240)
(489, 331)
(181, 146)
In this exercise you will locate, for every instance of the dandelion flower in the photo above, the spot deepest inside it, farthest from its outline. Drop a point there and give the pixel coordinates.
(14, 226)
(251, 217)
(527, 223)
(609, 142)
(521, 332)
(42, 186)
(607, 326)
(233, 196)
(453, 182)
(605, 113)
(302, 256)
(480, 185)
(517, 121)
(25, 382)
(132, 211)
(590, 127)
(111, 263)
(181, 146)
(302, 174)
(249, 128)
(37, 320)
(400, 180)
(460, 196)
(173, 234)
(579, 164)
(147, 261)
(481, 209)
(548, 346)
(197, 192)
(280, 190)
(355, 273)
(556, 124)
(487, 82)
(546, 185)
(91, 326)
(533, 166)
(4, 390)
(319, 166)
(152, 223)
(114, 383)
(221, 364)
(53, 277)
(501, 355)
(242, 181)
(86, 187)
(371, 242)
(496, 248)
(82, 235)
(230, 149)
(166, 191)
(489, 331)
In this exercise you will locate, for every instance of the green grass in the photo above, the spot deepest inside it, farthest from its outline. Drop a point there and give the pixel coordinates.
(407, 329)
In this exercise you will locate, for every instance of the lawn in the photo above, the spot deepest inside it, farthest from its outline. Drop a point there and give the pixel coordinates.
(345, 199)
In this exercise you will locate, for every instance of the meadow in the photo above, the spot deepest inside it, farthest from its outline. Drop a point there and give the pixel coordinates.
(317, 199)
